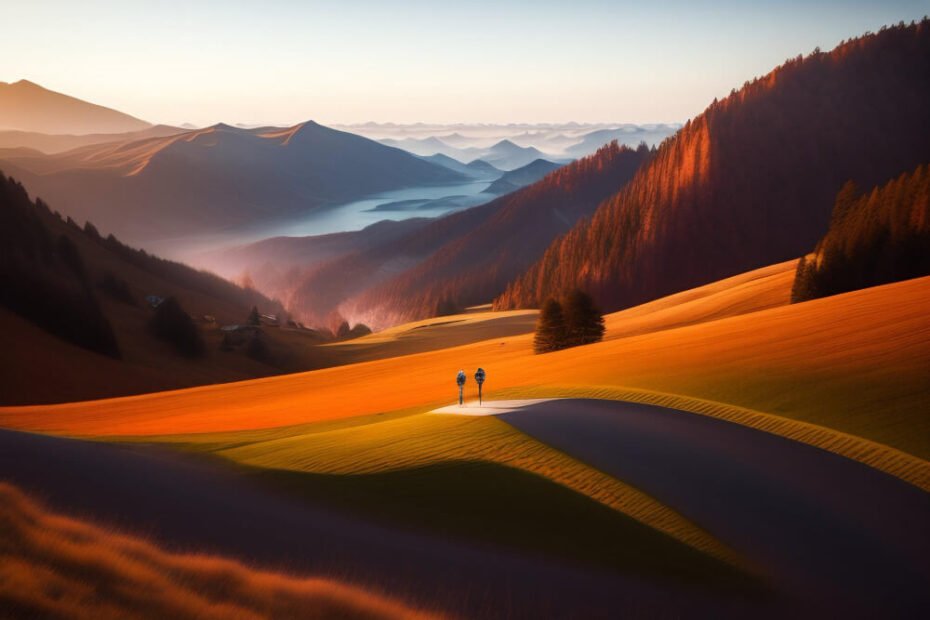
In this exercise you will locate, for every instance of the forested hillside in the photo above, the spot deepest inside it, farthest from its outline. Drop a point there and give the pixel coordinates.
(750, 181)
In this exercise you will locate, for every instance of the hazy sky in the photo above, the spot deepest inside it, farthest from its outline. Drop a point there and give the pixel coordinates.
(408, 61)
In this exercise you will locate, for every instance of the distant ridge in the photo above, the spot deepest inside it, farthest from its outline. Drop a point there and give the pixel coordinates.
(218, 178)
(521, 177)
(25, 106)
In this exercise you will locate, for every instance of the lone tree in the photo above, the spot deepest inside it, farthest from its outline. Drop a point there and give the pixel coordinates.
(584, 322)
(254, 318)
(550, 328)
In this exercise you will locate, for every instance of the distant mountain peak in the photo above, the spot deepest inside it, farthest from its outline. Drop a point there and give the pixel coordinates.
(506, 144)
(27, 106)
(26, 84)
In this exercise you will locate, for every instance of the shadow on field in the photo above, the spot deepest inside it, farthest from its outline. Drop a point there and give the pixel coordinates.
(495, 505)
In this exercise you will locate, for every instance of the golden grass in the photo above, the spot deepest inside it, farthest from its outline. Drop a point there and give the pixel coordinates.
(56, 567)
(760, 289)
(441, 327)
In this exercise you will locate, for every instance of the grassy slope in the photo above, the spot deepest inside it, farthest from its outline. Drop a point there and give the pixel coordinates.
(863, 373)
(53, 566)
(760, 289)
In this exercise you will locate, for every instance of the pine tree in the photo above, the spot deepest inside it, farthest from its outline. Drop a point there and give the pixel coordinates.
(584, 323)
(550, 328)
(254, 318)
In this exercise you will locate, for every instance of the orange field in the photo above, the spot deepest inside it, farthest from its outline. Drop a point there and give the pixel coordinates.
(797, 361)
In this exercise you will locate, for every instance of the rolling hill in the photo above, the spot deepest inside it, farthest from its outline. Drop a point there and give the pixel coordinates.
(25, 106)
(791, 369)
(221, 178)
(750, 181)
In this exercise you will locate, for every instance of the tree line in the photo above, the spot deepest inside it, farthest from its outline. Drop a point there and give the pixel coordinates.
(874, 238)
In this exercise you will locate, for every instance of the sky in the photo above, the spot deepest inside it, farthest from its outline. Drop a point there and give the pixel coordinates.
(490, 61)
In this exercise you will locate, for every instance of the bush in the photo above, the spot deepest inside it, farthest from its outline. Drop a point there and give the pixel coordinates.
(171, 324)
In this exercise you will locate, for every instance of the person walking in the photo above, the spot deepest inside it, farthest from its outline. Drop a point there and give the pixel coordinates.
(460, 380)
(479, 379)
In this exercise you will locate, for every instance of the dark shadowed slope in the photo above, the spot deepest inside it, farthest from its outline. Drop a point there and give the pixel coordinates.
(835, 535)
(188, 504)
(751, 181)
(25, 106)
(216, 179)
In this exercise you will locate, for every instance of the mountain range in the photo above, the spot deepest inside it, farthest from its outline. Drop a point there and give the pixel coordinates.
(220, 178)
(558, 141)
(505, 154)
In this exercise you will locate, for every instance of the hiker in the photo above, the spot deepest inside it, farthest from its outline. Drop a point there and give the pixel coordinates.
(460, 380)
(479, 379)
